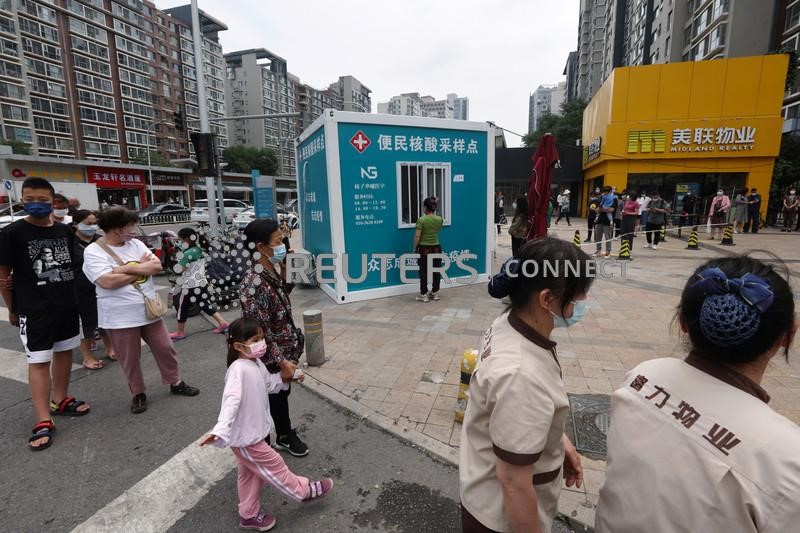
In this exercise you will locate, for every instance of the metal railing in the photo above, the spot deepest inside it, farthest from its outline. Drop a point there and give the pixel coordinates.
(163, 218)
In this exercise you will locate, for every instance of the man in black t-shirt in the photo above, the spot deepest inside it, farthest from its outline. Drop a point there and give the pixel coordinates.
(37, 282)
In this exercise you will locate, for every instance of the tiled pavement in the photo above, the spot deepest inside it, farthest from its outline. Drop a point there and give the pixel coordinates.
(401, 358)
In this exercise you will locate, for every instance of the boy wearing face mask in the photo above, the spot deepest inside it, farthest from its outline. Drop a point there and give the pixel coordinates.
(43, 304)
(790, 204)
(264, 297)
(61, 210)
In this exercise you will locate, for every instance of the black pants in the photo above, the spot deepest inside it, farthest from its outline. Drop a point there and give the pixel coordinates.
(204, 298)
(628, 227)
(617, 226)
(653, 233)
(279, 409)
(424, 251)
(590, 224)
(753, 221)
(516, 243)
(563, 213)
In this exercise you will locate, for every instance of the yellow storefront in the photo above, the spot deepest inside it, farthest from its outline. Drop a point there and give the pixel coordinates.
(694, 125)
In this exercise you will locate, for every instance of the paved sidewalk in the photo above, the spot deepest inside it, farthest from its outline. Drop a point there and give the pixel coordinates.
(397, 360)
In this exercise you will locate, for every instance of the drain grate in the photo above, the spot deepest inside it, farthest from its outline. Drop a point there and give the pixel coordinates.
(590, 421)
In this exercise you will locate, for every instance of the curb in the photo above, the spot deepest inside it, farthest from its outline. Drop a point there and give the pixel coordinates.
(431, 446)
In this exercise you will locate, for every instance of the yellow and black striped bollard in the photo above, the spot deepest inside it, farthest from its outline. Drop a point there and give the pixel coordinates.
(576, 240)
(625, 250)
(693, 240)
(468, 361)
(727, 236)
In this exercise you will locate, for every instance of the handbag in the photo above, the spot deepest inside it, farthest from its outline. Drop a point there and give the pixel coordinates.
(154, 307)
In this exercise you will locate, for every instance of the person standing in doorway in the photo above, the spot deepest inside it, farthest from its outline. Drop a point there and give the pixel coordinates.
(644, 204)
(718, 212)
(603, 228)
(563, 206)
(519, 224)
(753, 211)
(498, 210)
(790, 203)
(43, 304)
(689, 204)
(740, 210)
(658, 210)
(594, 203)
(426, 242)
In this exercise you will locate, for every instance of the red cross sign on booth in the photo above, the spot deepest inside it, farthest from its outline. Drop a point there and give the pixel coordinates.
(360, 141)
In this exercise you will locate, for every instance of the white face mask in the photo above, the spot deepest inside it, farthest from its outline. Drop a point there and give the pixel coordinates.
(720, 193)
(514, 205)
(60, 213)
(792, 192)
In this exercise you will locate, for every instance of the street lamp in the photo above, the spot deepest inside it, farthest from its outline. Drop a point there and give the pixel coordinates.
(150, 168)
(363, 109)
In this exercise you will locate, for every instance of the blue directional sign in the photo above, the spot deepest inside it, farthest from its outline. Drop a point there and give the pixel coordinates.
(263, 195)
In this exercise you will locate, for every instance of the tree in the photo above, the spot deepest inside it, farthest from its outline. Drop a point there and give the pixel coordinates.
(157, 159)
(567, 126)
(17, 147)
(243, 159)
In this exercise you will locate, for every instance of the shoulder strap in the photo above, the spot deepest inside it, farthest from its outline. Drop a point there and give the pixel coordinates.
(102, 243)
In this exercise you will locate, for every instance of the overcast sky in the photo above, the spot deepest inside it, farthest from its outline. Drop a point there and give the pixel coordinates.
(496, 52)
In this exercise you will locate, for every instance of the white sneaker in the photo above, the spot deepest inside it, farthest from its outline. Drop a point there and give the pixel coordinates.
(655, 247)
(434, 296)
(423, 298)
(648, 246)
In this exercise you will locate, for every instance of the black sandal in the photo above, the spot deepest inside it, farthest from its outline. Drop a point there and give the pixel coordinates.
(68, 407)
(44, 429)
(139, 403)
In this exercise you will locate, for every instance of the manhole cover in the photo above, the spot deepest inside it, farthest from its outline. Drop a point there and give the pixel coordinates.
(590, 421)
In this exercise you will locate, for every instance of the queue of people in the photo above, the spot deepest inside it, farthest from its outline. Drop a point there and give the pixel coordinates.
(692, 446)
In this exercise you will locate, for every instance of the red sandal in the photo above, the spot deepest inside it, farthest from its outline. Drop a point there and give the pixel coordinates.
(44, 429)
(68, 407)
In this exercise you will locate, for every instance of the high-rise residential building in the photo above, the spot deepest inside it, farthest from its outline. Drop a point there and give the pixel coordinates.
(460, 106)
(591, 43)
(431, 107)
(643, 32)
(312, 102)
(571, 72)
(351, 95)
(214, 67)
(258, 83)
(545, 100)
(96, 79)
(414, 105)
(409, 104)
(788, 37)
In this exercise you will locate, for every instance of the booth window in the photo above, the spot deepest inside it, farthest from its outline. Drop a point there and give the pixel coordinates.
(417, 181)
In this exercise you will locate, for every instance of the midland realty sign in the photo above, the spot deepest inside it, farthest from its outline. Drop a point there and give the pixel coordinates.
(720, 139)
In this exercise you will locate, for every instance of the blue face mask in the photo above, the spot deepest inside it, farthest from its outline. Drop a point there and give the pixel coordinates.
(38, 209)
(579, 309)
(87, 229)
(278, 254)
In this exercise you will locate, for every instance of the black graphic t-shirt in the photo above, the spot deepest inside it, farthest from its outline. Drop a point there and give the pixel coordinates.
(41, 264)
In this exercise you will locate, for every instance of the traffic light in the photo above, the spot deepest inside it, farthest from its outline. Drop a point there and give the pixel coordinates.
(205, 149)
(180, 124)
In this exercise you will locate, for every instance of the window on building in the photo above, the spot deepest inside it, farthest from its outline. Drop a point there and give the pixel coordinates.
(417, 181)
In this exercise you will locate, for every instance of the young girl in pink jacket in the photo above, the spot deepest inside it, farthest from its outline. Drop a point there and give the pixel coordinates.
(244, 424)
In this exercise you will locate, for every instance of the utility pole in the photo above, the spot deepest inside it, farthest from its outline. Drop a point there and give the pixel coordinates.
(202, 105)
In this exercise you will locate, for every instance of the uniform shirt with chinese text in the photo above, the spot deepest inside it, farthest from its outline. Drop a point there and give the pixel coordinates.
(694, 447)
(516, 411)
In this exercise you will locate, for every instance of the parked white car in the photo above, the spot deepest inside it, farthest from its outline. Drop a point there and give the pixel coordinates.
(245, 217)
(232, 208)
(5, 214)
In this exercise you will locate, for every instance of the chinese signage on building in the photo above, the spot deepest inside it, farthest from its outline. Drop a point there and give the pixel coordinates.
(418, 143)
(116, 178)
(720, 139)
(592, 152)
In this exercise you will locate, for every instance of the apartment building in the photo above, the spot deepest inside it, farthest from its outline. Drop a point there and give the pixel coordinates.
(99, 79)
(545, 100)
(644, 32)
(350, 94)
(258, 83)
(414, 105)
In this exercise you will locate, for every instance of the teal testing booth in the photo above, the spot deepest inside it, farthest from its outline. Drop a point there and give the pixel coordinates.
(361, 182)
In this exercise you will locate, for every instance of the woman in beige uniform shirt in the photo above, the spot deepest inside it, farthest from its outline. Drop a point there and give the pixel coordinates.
(513, 429)
(693, 445)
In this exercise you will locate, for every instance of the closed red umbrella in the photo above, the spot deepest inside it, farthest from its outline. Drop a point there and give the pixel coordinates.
(544, 160)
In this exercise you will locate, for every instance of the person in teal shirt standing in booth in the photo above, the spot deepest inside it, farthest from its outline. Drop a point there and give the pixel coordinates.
(426, 242)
